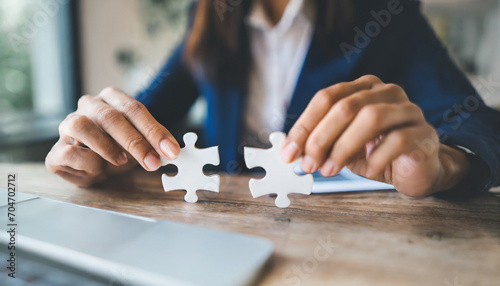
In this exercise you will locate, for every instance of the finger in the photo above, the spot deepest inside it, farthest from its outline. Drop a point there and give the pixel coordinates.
(339, 117)
(318, 107)
(135, 112)
(83, 161)
(121, 130)
(395, 144)
(84, 130)
(80, 181)
(371, 122)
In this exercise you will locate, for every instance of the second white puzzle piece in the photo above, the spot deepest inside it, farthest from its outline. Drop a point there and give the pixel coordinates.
(280, 178)
(190, 176)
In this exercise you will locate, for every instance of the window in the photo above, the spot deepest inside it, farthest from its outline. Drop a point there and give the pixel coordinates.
(469, 28)
(37, 78)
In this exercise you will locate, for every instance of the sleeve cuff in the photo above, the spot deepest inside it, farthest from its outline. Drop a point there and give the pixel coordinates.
(473, 184)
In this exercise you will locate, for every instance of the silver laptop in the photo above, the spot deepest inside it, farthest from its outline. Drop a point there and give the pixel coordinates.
(67, 244)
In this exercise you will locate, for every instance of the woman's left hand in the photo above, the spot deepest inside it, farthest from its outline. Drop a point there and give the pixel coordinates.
(373, 129)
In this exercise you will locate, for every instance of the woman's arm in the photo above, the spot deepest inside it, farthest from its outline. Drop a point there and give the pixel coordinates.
(105, 135)
(111, 132)
(372, 128)
(407, 134)
(452, 105)
(172, 92)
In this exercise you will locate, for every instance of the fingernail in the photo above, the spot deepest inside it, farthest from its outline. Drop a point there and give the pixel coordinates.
(169, 148)
(328, 168)
(309, 165)
(289, 152)
(152, 162)
(122, 159)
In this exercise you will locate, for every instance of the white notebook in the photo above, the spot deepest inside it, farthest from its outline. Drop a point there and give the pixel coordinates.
(346, 181)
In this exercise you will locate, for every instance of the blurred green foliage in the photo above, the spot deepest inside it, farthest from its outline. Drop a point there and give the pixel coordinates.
(15, 68)
(159, 14)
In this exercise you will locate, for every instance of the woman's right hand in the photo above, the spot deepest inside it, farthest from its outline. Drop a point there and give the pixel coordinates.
(103, 133)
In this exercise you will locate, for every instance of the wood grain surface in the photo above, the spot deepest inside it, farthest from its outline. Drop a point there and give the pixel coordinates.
(364, 238)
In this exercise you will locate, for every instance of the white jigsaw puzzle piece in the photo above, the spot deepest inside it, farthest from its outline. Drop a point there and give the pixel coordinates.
(280, 178)
(190, 176)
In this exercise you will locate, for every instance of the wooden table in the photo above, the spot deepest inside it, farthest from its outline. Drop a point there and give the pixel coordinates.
(368, 238)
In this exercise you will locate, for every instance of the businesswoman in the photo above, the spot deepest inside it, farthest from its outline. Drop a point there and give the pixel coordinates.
(362, 84)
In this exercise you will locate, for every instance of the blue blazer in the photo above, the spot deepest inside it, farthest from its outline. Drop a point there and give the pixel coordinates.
(405, 52)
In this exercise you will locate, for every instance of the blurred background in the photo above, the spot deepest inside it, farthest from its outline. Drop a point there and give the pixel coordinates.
(53, 51)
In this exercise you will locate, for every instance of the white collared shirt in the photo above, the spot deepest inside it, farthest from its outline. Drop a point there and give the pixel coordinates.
(278, 54)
